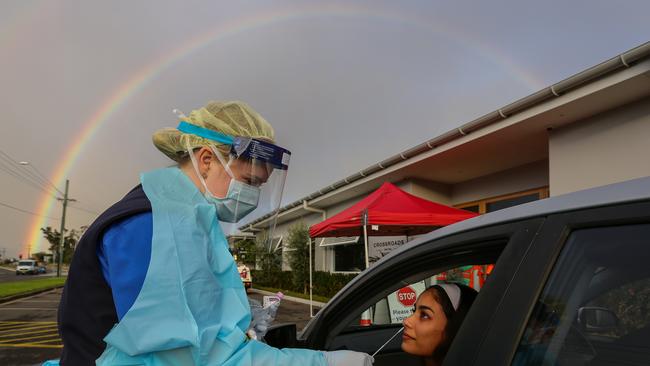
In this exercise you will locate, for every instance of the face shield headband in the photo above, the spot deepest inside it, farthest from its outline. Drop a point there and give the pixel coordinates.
(261, 186)
(243, 147)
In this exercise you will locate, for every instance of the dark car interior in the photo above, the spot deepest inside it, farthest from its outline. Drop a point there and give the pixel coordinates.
(596, 307)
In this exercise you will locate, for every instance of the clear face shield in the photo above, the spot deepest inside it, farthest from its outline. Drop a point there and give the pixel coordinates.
(257, 171)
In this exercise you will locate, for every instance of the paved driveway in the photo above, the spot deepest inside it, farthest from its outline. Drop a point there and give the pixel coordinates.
(28, 333)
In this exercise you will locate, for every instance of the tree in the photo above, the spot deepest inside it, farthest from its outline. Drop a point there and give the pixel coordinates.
(246, 250)
(269, 259)
(298, 244)
(53, 236)
(39, 256)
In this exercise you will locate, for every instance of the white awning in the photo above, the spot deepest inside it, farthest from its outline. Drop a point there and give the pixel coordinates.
(276, 243)
(330, 242)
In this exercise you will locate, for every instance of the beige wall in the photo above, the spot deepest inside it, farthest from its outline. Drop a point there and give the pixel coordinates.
(432, 191)
(608, 148)
(529, 176)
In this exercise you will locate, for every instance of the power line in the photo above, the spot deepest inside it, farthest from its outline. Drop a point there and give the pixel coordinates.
(85, 210)
(26, 181)
(31, 175)
(9, 165)
(38, 174)
(27, 212)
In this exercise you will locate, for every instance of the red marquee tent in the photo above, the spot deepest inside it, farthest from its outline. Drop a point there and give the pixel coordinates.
(390, 211)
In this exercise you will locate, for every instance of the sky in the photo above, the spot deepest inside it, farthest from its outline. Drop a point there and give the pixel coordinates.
(345, 84)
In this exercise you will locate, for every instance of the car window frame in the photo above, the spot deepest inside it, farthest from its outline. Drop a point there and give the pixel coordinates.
(511, 317)
(517, 235)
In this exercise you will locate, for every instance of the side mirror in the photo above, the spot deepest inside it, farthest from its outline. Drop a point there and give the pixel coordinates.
(597, 319)
(281, 336)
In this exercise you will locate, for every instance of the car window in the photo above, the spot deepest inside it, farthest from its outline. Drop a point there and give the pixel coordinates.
(630, 304)
(397, 306)
(594, 308)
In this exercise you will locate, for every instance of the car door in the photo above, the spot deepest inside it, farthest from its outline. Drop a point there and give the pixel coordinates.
(578, 258)
(337, 326)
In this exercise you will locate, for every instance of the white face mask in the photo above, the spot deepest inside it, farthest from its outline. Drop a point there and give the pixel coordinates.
(241, 198)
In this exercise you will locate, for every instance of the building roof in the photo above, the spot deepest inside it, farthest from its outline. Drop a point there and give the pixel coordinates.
(634, 190)
(579, 90)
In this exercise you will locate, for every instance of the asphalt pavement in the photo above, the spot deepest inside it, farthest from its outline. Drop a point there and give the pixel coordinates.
(29, 336)
(9, 275)
(28, 332)
(289, 311)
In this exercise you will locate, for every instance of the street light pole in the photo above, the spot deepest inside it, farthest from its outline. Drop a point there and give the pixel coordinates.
(65, 205)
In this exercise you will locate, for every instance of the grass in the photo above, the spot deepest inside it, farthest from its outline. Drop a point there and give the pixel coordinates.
(27, 286)
(294, 294)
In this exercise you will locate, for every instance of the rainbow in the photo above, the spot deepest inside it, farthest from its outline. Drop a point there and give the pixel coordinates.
(138, 80)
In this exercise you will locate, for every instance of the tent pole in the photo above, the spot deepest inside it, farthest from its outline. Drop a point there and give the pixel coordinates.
(311, 296)
(365, 236)
(366, 317)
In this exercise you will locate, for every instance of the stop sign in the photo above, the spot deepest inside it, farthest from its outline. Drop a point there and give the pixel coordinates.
(406, 296)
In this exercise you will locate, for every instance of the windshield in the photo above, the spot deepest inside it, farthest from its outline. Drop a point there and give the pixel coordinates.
(26, 263)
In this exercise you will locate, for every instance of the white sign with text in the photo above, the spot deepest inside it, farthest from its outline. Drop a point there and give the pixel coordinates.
(380, 246)
(401, 302)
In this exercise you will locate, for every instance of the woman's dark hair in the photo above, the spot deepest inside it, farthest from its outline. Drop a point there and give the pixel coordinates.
(454, 317)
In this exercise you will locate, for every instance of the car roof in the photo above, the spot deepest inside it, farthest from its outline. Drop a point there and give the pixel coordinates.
(617, 193)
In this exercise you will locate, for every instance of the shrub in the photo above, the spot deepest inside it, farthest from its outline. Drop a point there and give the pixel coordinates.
(325, 284)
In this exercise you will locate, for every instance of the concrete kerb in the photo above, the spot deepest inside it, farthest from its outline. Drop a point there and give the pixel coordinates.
(289, 298)
(9, 299)
(12, 298)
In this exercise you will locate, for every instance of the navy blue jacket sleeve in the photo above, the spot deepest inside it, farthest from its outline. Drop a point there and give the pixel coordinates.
(124, 256)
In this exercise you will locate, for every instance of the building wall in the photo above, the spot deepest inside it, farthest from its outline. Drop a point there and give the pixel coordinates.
(607, 148)
(322, 256)
(283, 230)
(525, 177)
(432, 191)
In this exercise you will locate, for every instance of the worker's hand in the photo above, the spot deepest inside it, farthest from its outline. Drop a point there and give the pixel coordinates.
(260, 320)
(348, 358)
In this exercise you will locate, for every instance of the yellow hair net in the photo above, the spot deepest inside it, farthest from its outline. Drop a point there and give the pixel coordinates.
(230, 118)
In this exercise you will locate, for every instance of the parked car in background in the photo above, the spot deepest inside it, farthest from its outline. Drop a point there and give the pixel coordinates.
(42, 268)
(246, 277)
(570, 286)
(26, 266)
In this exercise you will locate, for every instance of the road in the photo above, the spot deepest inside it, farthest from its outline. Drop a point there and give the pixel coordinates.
(28, 332)
(9, 275)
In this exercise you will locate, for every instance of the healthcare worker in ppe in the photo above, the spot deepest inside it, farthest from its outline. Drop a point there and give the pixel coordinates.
(152, 281)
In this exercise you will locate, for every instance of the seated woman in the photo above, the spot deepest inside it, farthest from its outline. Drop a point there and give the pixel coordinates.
(438, 314)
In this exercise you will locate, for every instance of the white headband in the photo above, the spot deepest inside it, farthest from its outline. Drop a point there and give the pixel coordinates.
(453, 293)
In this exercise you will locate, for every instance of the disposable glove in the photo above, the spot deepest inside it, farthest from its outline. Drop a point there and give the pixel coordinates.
(348, 358)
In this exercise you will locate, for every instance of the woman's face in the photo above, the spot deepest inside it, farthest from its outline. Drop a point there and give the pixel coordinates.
(425, 329)
(216, 177)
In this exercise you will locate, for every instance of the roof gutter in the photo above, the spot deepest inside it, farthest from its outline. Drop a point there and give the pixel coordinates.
(622, 61)
(313, 209)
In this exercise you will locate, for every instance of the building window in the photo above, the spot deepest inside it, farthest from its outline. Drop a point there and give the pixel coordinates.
(349, 257)
(473, 208)
(505, 201)
(509, 202)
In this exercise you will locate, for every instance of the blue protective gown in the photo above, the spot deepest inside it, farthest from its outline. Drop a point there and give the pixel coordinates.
(192, 308)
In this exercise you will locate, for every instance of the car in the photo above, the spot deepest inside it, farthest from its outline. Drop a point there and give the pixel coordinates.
(26, 266)
(246, 276)
(574, 268)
